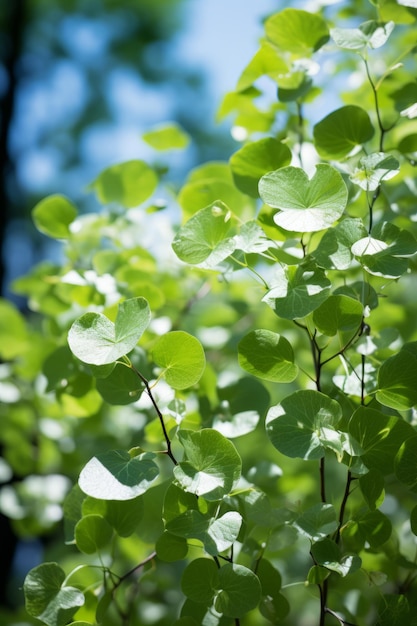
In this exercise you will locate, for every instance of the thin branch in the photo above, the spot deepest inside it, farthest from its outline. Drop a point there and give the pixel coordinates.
(137, 567)
(343, 505)
(341, 620)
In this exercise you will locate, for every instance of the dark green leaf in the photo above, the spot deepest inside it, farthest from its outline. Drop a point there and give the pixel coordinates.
(267, 355)
(92, 533)
(342, 131)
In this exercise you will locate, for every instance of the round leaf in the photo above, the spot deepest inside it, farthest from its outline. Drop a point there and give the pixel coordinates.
(211, 466)
(317, 522)
(53, 216)
(113, 475)
(254, 160)
(167, 137)
(47, 598)
(340, 132)
(122, 386)
(239, 591)
(200, 580)
(181, 356)
(94, 339)
(267, 355)
(92, 533)
(129, 183)
(297, 31)
(171, 548)
(306, 205)
(304, 424)
(338, 314)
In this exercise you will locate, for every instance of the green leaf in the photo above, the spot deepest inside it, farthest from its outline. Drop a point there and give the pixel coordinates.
(338, 314)
(254, 160)
(14, 335)
(297, 31)
(114, 475)
(54, 215)
(304, 424)
(92, 533)
(122, 386)
(207, 238)
(170, 547)
(342, 131)
(327, 554)
(211, 466)
(182, 358)
(200, 580)
(394, 610)
(397, 379)
(413, 520)
(252, 238)
(406, 464)
(232, 426)
(385, 252)
(124, 515)
(128, 184)
(266, 62)
(373, 169)
(306, 205)
(267, 355)
(167, 137)
(380, 436)
(370, 34)
(317, 522)
(239, 591)
(94, 339)
(48, 598)
(298, 291)
(334, 249)
(372, 486)
(216, 535)
(375, 528)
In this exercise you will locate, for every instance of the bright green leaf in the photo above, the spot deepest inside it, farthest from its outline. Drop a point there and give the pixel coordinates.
(216, 535)
(167, 137)
(306, 204)
(182, 358)
(129, 183)
(397, 379)
(92, 533)
(334, 249)
(254, 160)
(48, 598)
(342, 132)
(338, 314)
(211, 465)
(297, 31)
(267, 355)
(13, 332)
(304, 424)
(207, 238)
(54, 215)
(114, 475)
(94, 339)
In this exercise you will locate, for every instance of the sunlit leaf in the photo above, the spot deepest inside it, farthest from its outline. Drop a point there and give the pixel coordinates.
(317, 522)
(342, 131)
(306, 204)
(54, 215)
(267, 355)
(254, 160)
(129, 183)
(48, 598)
(94, 339)
(167, 137)
(216, 535)
(114, 475)
(397, 379)
(93, 533)
(182, 358)
(338, 314)
(373, 169)
(297, 31)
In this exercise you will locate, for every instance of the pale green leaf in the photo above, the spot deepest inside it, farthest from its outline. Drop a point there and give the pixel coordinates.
(182, 358)
(297, 31)
(128, 184)
(373, 169)
(54, 215)
(167, 137)
(306, 205)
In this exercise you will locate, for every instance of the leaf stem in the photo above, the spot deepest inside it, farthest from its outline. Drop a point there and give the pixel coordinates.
(158, 412)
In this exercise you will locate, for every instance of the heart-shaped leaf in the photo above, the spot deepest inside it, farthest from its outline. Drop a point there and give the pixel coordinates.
(94, 339)
(181, 356)
(370, 34)
(129, 183)
(207, 238)
(114, 475)
(297, 31)
(48, 598)
(267, 355)
(92, 533)
(342, 131)
(304, 424)
(254, 160)
(338, 314)
(306, 205)
(217, 535)
(211, 465)
(53, 216)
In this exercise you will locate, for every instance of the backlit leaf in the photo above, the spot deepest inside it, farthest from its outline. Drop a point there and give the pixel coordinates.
(254, 160)
(129, 183)
(338, 314)
(114, 475)
(182, 358)
(342, 131)
(267, 355)
(306, 204)
(167, 137)
(54, 215)
(93, 533)
(297, 31)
